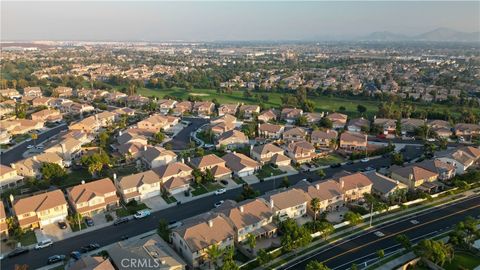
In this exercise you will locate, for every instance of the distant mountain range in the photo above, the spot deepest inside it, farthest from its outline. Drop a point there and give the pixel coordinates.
(439, 34)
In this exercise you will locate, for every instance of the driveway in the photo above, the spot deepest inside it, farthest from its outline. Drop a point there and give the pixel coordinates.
(231, 184)
(156, 203)
(52, 231)
(251, 179)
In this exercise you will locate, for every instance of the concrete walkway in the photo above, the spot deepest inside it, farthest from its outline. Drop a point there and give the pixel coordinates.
(398, 261)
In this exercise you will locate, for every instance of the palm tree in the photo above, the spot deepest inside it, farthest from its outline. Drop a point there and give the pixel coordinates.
(315, 205)
(316, 265)
(252, 242)
(213, 253)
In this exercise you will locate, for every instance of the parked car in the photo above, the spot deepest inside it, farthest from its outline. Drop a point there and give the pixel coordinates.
(336, 165)
(76, 255)
(365, 160)
(224, 182)
(17, 252)
(55, 259)
(174, 224)
(29, 146)
(142, 214)
(218, 204)
(220, 191)
(121, 221)
(43, 244)
(124, 237)
(90, 247)
(89, 221)
(62, 225)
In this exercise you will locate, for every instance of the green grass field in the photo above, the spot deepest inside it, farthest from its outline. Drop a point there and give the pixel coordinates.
(463, 260)
(323, 103)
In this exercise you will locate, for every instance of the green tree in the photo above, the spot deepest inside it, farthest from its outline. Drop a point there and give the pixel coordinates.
(325, 228)
(465, 233)
(96, 162)
(321, 173)
(103, 139)
(285, 182)
(252, 242)
(315, 206)
(361, 109)
(213, 253)
(263, 256)
(163, 230)
(302, 121)
(397, 159)
(353, 218)
(159, 137)
(435, 251)
(380, 253)
(316, 265)
(294, 236)
(52, 171)
(404, 241)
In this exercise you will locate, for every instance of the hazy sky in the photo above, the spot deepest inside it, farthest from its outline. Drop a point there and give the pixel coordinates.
(162, 21)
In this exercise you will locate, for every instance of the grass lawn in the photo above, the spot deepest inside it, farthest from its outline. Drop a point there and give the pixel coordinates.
(125, 170)
(75, 226)
(322, 103)
(21, 137)
(76, 176)
(239, 181)
(169, 199)
(198, 190)
(463, 260)
(205, 139)
(212, 186)
(130, 209)
(267, 171)
(28, 238)
(329, 160)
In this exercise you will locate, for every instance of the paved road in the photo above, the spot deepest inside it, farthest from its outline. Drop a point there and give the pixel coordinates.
(180, 142)
(16, 153)
(358, 250)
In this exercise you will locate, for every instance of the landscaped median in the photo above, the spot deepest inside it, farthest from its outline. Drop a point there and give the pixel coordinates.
(279, 257)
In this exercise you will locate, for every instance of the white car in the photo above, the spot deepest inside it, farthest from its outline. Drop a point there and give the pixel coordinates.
(29, 146)
(43, 244)
(414, 221)
(365, 160)
(142, 214)
(379, 234)
(220, 191)
(218, 204)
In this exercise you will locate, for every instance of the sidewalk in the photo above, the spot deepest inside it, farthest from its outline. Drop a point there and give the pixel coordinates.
(398, 261)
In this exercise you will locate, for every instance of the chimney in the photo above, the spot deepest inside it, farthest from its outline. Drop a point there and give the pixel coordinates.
(34, 158)
(271, 203)
(317, 186)
(120, 133)
(182, 160)
(144, 148)
(241, 209)
(83, 182)
(210, 223)
(374, 117)
(342, 183)
(11, 198)
(188, 159)
(410, 177)
(114, 176)
(12, 165)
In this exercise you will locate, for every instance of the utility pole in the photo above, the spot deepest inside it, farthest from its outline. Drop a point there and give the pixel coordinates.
(371, 213)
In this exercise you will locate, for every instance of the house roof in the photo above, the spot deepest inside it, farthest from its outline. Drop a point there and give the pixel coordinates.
(418, 173)
(238, 161)
(354, 181)
(206, 161)
(153, 152)
(322, 190)
(248, 213)
(171, 170)
(296, 131)
(232, 134)
(288, 198)
(86, 192)
(353, 137)
(382, 183)
(270, 128)
(324, 134)
(40, 202)
(267, 148)
(138, 179)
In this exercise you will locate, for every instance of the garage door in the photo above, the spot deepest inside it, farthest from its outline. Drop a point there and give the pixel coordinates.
(150, 194)
(51, 220)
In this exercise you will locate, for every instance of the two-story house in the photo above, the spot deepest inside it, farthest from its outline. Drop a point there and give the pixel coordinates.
(301, 151)
(139, 186)
(213, 163)
(290, 203)
(93, 197)
(270, 131)
(270, 153)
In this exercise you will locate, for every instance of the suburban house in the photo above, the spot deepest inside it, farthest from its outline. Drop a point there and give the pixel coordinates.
(461, 158)
(203, 108)
(156, 156)
(414, 176)
(3, 222)
(157, 122)
(32, 92)
(328, 193)
(354, 185)
(467, 130)
(92, 263)
(88, 125)
(213, 163)
(10, 93)
(313, 117)
(151, 249)
(267, 116)
(358, 125)
(270, 131)
(353, 141)
(42, 101)
(166, 105)
(182, 108)
(445, 170)
(94, 197)
(294, 134)
(21, 126)
(115, 96)
(131, 150)
(62, 92)
(139, 186)
(232, 139)
(199, 233)
(223, 124)
(270, 153)
(324, 138)
(175, 177)
(30, 167)
(290, 203)
(105, 118)
(39, 210)
(442, 128)
(384, 186)
(250, 217)
(410, 125)
(388, 126)
(68, 149)
(227, 109)
(301, 151)
(291, 114)
(134, 135)
(339, 120)
(240, 164)
(9, 178)
(249, 111)
(47, 115)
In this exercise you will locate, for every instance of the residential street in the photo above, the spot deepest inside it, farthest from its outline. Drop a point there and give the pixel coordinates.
(180, 142)
(15, 154)
(361, 249)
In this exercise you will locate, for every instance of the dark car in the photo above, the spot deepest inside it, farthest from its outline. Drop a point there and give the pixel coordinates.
(225, 182)
(121, 221)
(90, 247)
(17, 252)
(124, 237)
(76, 255)
(62, 225)
(55, 258)
(89, 221)
(336, 165)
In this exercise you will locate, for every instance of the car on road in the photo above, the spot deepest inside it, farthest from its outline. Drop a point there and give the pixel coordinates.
(218, 204)
(224, 182)
(30, 146)
(365, 160)
(89, 248)
(55, 259)
(62, 225)
(220, 191)
(350, 162)
(76, 255)
(336, 165)
(414, 221)
(174, 224)
(124, 237)
(17, 252)
(142, 214)
(43, 244)
(379, 234)
(121, 221)
(369, 169)
(89, 221)
(40, 146)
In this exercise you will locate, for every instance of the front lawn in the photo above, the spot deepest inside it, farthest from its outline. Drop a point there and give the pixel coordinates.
(329, 160)
(169, 199)
(76, 228)
(212, 186)
(27, 238)
(268, 171)
(75, 177)
(463, 260)
(130, 209)
(125, 170)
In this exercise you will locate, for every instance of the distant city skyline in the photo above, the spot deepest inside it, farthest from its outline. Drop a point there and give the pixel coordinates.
(216, 21)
